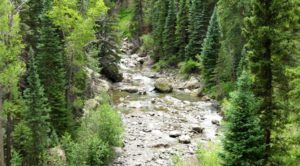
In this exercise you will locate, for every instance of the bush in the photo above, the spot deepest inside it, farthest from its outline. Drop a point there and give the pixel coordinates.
(189, 67)
(104, 123)
(148, 42)
(209, 156)
(98, 153)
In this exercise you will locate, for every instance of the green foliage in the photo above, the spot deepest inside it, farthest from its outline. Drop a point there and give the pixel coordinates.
(182, 37)
(125, 16)
(137, 22)
(271, 46)
(36, 118)
(51, 69)
(160, 12)
(105, 123)
(148, 43)
(87, 152)
(188, 67)
(16, 159)
(243, 143)
(169, 38)
(176, 161)
(197, 29)
(209, 156)
(210, 50)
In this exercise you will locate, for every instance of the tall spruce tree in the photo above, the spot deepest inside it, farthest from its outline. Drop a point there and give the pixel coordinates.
(243, 142)
(36, 117)
(271, 34)
(210, 50)
(160, 13)
(182, 37)
(197, 29)
(137, 21)
(51, 68)
(169, 38)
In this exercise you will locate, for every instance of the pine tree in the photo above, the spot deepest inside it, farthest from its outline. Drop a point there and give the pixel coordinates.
(169, 38)
(210, 50)
(137, 21)
(243, 142)
(271, 35)
(51, 69)
(197, 29)
(182, 37)
(36, 116)
(160, 12)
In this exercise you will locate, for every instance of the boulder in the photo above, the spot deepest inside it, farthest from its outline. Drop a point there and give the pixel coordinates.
(185, 139)
(193, 83)
(163, 85)
(58, 155)
(111, 71)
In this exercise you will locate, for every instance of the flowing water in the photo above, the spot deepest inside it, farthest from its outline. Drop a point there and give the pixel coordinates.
(154, 122)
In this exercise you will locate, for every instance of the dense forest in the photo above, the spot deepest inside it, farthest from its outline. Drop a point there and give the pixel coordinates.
(62, 62)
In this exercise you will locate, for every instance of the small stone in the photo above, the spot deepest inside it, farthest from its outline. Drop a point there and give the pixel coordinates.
(175, 134)
(215, 122)
(197, 129)
(185, 139)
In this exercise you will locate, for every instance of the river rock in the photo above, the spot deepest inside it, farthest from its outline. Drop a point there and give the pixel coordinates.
(193, 83)
(197, 129)
(215, 122)
(163, 85)
(130, 89)
(175, 134)
(185, 139)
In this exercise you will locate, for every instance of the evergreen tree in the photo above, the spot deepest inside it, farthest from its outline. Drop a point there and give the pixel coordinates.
(182, 37)
(271, 35)
(243, 142)
(51, 68)
(210, 50)
(160, 12)
(137, 21)
(169, 38)
(36, 117)
(197, 29)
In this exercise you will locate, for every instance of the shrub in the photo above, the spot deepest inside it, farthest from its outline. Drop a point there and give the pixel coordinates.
(104, 123)
(148, 42)
(98, 152)
(189, 66)
(209, 156)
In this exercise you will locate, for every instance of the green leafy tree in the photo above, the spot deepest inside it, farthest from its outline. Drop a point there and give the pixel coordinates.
(137, 21)
(36, 117)
(210, 50)
(182, 36)
(243, 142)
(270, 33)
(197, 29)
(11, 68)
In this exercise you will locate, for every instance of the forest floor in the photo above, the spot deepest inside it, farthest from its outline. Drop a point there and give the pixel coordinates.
(159, 127)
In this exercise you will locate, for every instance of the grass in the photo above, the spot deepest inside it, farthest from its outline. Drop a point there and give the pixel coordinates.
(209, 155)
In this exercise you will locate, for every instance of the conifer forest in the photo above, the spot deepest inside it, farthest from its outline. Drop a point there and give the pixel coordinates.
(149, 82)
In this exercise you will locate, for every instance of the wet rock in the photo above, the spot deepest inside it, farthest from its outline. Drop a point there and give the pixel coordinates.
(111, 71)
(197, 129)
(206, 98)
(163, 85)
(215, 122)
(130, 89)
(118, 151)
(175, 134)
(193, 83)
(185, 139)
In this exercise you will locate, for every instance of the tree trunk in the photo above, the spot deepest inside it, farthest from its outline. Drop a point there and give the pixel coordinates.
(8, 146)
(1, 133)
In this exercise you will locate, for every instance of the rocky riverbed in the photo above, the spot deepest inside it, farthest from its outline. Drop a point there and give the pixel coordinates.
(160, 125)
